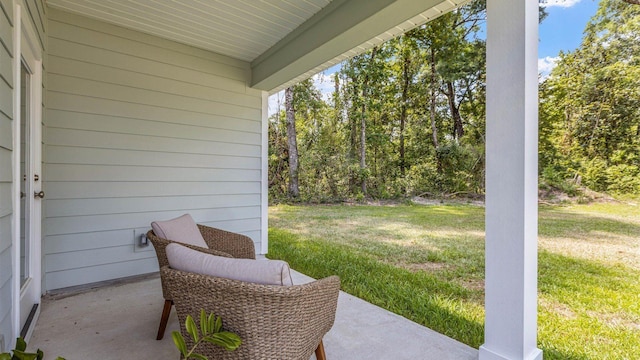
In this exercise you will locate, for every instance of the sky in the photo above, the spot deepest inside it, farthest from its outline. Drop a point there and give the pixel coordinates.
(560, 31)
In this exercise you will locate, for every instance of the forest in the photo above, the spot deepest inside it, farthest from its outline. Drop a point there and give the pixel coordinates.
(407, 118)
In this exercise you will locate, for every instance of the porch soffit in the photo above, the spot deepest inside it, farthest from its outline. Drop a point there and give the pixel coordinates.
(285, 41)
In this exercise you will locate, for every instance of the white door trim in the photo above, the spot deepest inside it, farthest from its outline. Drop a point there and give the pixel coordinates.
(26, 44)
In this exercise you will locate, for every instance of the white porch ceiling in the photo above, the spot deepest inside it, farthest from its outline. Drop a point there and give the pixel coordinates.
(285, 41)
(242, 29)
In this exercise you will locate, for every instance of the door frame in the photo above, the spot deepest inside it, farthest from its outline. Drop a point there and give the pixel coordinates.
(27, 45)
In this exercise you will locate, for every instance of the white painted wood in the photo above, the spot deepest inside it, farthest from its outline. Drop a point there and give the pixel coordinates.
(8, 255)
(62, 27)
(243, 29)
(72, 277)
(6, 6)
(118, 109)
(141, 129)
(114, 174)
(94, 223)
(125, 93)
(93, 257)
(153, 188)
(6, 134)
(94, 139)
(122, 237)
(105, 206)
(511, 201)
(6, 72)
(143, 65)
(265, 174)
(95, 156)
(206, 126)
(29, 43)
(6, 96)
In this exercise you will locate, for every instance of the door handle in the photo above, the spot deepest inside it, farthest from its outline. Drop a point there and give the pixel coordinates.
(39, 194)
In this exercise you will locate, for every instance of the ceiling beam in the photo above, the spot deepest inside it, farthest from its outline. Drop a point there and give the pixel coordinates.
(338, 28)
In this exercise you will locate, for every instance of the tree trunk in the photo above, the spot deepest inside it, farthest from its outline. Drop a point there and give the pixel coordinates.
(363, 122)
(632, 2)
(458, 130)
(294, 190)
(432, 102)
(432, 109)
(403, 112)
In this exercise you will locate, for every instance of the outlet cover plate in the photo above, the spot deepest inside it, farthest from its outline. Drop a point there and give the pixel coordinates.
(137, 233)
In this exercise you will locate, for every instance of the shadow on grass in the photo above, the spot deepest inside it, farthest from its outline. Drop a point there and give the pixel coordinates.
(555, 222)
(418, 297)
(587, 283)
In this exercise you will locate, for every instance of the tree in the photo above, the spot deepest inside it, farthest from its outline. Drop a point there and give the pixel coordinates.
(592, 98)
(294, 190)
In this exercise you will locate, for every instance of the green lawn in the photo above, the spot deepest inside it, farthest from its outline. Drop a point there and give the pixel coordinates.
(426, 263)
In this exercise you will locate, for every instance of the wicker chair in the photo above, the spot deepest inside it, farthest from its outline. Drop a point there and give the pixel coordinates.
(220, 243)
(274, 322)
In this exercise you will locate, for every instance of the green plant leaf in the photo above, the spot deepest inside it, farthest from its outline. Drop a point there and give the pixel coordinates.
(5, 356)
(211, 323)
(192, 329)
(60, 358)
(179, 341)
(21, 355)
(218, 326)
(21, 345)
(225, 339)
(203, 323)
(40, 354)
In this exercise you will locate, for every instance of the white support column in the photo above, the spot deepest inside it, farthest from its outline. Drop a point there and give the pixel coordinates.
(264, 198)
(512, 181)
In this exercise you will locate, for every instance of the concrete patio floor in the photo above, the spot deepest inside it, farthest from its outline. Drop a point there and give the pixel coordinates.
(120, 321)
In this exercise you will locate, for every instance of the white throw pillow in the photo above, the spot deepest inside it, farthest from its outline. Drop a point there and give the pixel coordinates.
(181, 229)
(268, 272)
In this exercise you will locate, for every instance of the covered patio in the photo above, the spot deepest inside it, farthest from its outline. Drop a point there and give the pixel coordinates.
(114, 114)
(93, 324)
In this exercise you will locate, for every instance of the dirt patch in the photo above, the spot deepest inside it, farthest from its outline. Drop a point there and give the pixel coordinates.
(444, 201)
(617, 320)
(426, 267)
(473, 284)
(552, 196)
(558, 308)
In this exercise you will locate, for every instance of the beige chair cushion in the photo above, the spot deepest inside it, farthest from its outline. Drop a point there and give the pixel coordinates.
(268, 272)
(181, 229)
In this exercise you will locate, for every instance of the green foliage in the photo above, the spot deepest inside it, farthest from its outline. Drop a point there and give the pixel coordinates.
(20, 353)
(623, 179)
(210, 331)
(408, 117)
(590, 105)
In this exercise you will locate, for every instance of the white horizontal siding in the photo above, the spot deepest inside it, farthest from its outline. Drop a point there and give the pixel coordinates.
(68, 243)
(6, 170)
(141, 129)
(153, 188)
(95, 273)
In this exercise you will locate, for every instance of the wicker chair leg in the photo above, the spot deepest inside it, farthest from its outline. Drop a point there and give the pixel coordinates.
(165, 318)
(320, 355)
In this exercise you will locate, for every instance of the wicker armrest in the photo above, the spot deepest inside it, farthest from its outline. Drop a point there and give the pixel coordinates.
(283, 322)
(237, 245)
